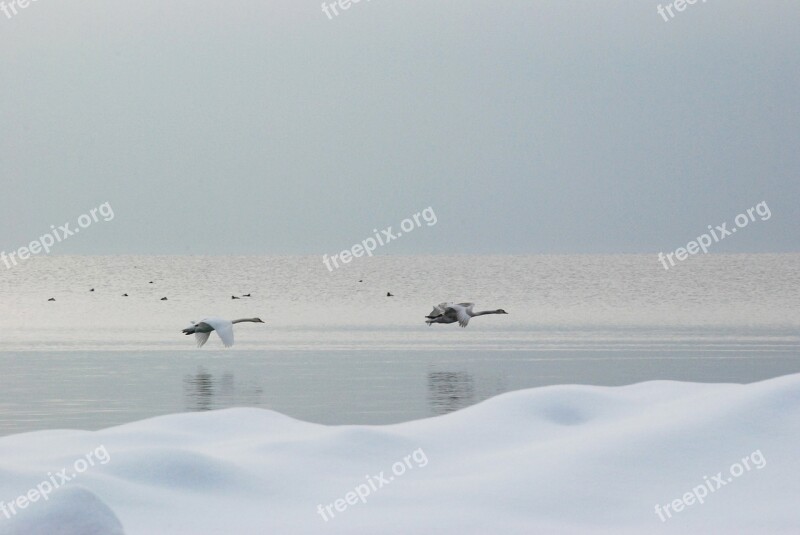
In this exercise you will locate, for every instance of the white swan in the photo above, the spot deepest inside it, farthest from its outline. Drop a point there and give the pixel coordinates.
(461, 313)
(224, 328)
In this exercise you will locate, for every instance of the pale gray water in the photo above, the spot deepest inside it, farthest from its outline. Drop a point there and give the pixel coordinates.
(338, 351)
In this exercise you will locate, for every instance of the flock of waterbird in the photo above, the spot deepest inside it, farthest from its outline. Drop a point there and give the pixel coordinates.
(164, 298)
(447, 312)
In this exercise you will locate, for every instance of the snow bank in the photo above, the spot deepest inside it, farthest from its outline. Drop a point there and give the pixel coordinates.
(565, 459)
(72, 511)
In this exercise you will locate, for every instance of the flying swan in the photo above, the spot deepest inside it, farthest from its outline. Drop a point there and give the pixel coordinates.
(223, 327)
(461, 313)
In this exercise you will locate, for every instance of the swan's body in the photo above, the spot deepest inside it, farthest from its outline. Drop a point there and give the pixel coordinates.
(457, 312)
(223, 327)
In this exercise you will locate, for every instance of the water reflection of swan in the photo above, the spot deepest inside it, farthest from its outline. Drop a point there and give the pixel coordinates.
(199, 390)
(450, 391)
(204, 392)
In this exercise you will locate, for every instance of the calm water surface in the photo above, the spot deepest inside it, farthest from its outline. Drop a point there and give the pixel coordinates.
(335, 350)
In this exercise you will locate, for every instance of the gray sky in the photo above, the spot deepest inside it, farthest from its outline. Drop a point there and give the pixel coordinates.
(260, 127)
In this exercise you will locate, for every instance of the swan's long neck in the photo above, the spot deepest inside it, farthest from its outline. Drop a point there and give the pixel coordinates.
(243, 320)
(484, 312)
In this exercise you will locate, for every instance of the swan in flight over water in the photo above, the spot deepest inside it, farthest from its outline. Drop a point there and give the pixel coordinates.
(223, 327)
(452, 312)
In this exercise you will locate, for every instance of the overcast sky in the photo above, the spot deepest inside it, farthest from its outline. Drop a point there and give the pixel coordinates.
(264, 127)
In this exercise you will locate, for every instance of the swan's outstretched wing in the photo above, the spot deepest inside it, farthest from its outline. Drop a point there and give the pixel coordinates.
(462, 314)
(201, 338)
(439, 310)
(226, 334)
(224, 329)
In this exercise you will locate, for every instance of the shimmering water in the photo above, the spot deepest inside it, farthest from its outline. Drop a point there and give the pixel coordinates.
(336, 350)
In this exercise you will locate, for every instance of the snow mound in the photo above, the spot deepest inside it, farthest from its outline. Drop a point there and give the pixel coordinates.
(72, 511)
(656, 457)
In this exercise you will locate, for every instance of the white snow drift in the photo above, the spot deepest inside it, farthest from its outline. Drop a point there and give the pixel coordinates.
(566, 459)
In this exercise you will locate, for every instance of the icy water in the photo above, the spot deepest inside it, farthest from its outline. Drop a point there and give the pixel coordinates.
(335, 350)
